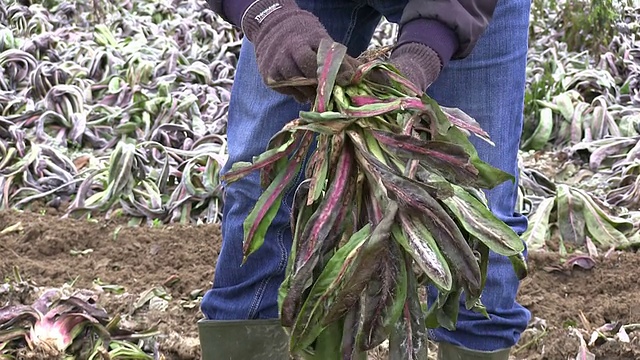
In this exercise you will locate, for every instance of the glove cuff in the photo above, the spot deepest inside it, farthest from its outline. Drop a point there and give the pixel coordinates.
(428, 60)
(431, 33)
(256, 14)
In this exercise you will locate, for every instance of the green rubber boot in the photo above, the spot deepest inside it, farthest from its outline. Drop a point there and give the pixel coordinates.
(448, 351)
(243, 340)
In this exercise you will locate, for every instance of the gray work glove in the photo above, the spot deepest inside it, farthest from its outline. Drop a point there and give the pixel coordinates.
(418, 63)
(286, 40)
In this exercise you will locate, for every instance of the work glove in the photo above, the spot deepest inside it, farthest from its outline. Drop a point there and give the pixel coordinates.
(418, 63)
(286, 40)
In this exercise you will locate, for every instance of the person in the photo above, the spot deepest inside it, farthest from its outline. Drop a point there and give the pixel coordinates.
(468, 54)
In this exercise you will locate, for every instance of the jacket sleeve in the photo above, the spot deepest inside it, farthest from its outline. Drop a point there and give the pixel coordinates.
(467, 18)
(216, 7)
(230, 10)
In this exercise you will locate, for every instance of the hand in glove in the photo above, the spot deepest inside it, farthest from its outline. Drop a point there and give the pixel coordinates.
(418, 63)
(423, 48)
(286, 40)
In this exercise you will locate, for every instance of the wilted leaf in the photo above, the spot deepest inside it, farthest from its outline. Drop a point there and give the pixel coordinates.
(625, 226)
(384, 300)
(17, 227)
(565, 105)
(601, 231)
(542, 134)
(629, 125)
(362, 270)
(611, 148)
(583, 261)
(571, 220)
(536, 234)
(583, 351)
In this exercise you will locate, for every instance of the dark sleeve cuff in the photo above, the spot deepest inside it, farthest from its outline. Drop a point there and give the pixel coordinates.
(234, 9)
(431, 33)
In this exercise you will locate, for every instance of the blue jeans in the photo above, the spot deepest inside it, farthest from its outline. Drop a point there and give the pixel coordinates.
(488, 85)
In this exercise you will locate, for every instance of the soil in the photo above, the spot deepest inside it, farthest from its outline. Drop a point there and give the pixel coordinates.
(575, 298)
(49, 251)
(177, 259)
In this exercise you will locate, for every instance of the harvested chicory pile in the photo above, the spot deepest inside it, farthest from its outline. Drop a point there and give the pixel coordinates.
(391, 201)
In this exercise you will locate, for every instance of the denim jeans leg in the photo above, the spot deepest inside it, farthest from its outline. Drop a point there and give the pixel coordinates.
(489, 85)
(256, 113)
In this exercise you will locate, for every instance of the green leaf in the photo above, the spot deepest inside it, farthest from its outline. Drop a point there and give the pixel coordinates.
(601, 230)
(318, 228)
(536, 234)
(300, 215)
(400, 81)
(623, 225)
(542, 134)
(413, 197)
(271, 156)
(447, 312)
(416, 240)
(261, 216)
(330, 57)
(480, 222)
(351, 334)
(320, 165)
(565, 105)
(374, 109)
(483, 252)
(329, 342)
(488, 176)
(598, 122)
(314, 237)
(519, 264)
(571, 222)
(577, 122)
(384, 298)
(444, 158)
(629, 125)
(362, 269)
(408, 339)
(310, 117)
(325, 128)
(463, 121)
(308, 324)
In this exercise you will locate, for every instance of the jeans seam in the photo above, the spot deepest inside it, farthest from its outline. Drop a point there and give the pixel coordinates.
(352, 22)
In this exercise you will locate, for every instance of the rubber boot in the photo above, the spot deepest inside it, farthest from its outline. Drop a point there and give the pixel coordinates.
(243, 340)
(448, 351)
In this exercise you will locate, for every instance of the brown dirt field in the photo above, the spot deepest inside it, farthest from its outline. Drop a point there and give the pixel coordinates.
(181, 259)
(137, 258)
(584, 299)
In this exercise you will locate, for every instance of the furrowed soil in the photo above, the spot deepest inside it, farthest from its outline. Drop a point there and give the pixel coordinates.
(49, 251)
